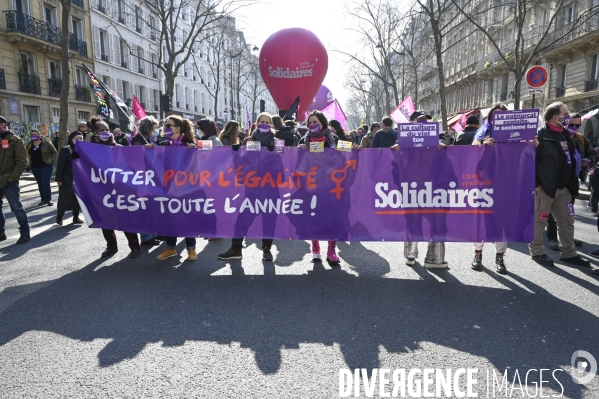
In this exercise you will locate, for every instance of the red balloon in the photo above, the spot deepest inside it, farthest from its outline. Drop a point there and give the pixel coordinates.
(293, 62)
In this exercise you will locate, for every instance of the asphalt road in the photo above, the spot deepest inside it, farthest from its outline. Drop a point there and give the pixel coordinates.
(75, 325)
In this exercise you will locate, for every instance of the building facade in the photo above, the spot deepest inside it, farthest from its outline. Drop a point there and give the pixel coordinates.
(30, 64)
(476, 77)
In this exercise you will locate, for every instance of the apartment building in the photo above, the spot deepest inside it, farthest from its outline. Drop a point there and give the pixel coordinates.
(30, 64)
(476, 77)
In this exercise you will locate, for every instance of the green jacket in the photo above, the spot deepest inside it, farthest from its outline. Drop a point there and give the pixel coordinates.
(49, 153)
(367, 140)
(13, 160)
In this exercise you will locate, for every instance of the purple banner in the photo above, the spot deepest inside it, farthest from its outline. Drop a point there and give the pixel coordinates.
(515, 125)
(462, 193)
(414, 135)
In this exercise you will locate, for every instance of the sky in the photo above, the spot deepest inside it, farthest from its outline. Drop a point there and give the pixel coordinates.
(327, 19)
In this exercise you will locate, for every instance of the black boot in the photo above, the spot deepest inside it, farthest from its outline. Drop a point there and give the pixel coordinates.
(500, 264)
(477, 263)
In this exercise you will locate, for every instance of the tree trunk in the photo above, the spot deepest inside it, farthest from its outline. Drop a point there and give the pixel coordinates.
(517, 89)
(66, 75)
(415, 87)
(439, 54)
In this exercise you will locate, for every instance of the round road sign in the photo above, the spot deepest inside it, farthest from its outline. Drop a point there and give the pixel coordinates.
(536, 77)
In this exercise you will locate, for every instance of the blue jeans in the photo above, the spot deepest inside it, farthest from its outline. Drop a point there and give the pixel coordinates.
(594, 200)
(147, 237)
(171, 242)
(43, 176)
(12, 193)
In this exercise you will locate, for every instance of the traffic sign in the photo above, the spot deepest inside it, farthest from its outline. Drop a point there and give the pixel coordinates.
(536, 77)
(536, 91)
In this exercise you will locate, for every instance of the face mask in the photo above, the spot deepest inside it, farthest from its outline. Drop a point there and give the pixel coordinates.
(573, 129)
(314, 128)
(264, 128)
(74, 141)
(566, 120)
(35, 137)
(105, 135)
(156, 132)
(168, 132)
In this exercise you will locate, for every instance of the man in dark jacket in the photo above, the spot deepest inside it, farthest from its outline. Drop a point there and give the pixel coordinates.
(120, 137)
(588, 157)
(466, 136)
(556, 187)
(387, 137)
(13, 161)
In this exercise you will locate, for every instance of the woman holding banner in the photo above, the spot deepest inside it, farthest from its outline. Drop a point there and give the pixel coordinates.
(102, 136)
(265, 135)
(178, 132)
(318, 132)
(42, 156)
(230, 136)
(484, 135)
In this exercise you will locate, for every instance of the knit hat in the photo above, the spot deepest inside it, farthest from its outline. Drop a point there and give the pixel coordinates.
(472, 120)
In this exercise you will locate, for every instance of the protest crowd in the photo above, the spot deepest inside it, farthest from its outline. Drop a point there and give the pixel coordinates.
(563, 158)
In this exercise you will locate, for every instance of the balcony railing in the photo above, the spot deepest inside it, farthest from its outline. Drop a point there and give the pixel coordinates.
(78, 3)
(560, 91)
(140, 70)
(2, 80)
(121, 19)
(591, 85)
(104, 57)
(138, 29)
(77, 45)
(155, 75)
(102, 9)
(54, 86)
(83, 93)
(503, 97)
(124, 64)
(29, 84)
(20, 22)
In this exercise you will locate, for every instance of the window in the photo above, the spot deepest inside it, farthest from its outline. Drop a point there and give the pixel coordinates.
(562, 75)
(55, 70)
(594, 68)
(569, 14)
(156, 100)
(154, 66)
(32, 114)
(77, 25)
(51, 14)
(27, 63)
(124, 52)
(83, 116)
(56, 115)
(138, 19)
(104, 45)
(120, 10)
(106, 80)
(125, 89)
(152, 28)
(140, 58)
(80, 77)
(22, 6)
(141, 94)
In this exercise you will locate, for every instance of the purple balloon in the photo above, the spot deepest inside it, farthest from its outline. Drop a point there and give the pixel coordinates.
(322, 99)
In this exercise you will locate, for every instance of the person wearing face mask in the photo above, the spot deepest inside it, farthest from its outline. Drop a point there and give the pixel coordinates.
(556, 186)
(13, 161)
(208, 129)
(318, 132)
(42, 156)
(83, 129)
(265, 135)
(264, 132)
(147, 133)
(484, 135)
(64, 179)
(178, 132)
(585, 155)
(102, 136)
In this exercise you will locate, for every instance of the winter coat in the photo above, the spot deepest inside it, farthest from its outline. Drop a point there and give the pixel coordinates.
(13, 160)
(49, 154)
(549, 162)
(465, 137)
(64, 169)
(385, 138)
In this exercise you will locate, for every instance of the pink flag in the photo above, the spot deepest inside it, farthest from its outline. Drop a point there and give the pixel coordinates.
(461, 123)
(402, 113)
(137, 109)
(334, 111)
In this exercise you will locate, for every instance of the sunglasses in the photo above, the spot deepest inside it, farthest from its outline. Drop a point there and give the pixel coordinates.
(573, 125)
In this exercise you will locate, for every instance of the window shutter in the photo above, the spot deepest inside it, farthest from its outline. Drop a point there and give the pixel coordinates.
(119, 88)
(97, 42)
(110, 49)
(130, 90)
(116, 57)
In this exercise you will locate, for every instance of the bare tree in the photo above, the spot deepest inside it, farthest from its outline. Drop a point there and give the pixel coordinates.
(65, 73)
(365, 94)
(529, 45)
(439, 15)
(376, 22)
(255, 86)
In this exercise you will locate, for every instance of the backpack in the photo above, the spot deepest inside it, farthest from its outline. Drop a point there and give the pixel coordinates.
(582, 141)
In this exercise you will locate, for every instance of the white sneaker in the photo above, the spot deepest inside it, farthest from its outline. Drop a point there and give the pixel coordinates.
(410, 261)
(316, 258)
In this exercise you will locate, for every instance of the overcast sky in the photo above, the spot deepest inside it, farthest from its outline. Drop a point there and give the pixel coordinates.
(327, 19)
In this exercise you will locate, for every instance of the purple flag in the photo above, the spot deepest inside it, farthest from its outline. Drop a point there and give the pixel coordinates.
(334, 111)
(463, 193)
(425, 134)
